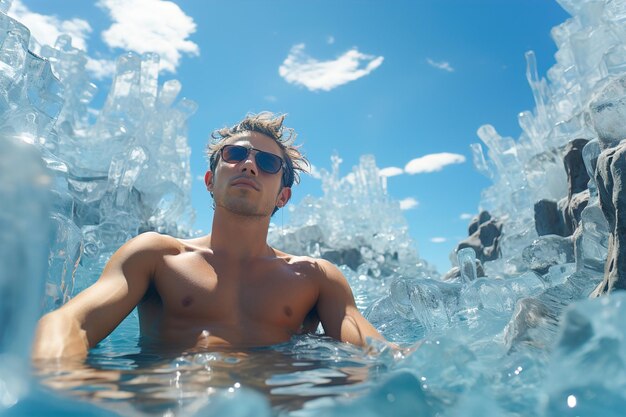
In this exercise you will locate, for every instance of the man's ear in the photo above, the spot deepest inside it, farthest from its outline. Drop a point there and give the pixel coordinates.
(283, 197)
(208, 180)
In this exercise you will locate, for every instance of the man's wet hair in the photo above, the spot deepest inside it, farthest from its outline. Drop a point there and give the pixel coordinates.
(271, 125)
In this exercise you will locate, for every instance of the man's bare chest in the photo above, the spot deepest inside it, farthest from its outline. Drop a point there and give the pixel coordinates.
(273, 293)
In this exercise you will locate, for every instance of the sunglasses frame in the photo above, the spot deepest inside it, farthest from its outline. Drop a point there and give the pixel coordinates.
(283, 165)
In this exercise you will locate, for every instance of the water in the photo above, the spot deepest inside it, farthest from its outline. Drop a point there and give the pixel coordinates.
(523, 340)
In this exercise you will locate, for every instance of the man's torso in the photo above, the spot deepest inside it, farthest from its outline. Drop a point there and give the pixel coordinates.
(199, 299)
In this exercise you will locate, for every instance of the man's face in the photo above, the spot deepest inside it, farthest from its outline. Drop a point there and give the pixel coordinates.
(242, 187)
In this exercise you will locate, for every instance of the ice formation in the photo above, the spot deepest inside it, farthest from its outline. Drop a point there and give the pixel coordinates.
(506, 336)
(103, 176)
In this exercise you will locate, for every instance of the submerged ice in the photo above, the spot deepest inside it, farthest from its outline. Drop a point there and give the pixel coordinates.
(507, 331)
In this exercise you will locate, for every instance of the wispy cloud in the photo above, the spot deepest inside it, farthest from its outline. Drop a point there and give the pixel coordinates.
(390, 172)
(330, 40)
(408, 203)
(438, 239)
(465, 216)
(442, 65)
(314, 172)
(302, 69)
(271, 99)
(150, 26)
(47, 28)
(433, 162)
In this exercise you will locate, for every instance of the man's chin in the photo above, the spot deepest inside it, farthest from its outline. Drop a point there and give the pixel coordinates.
(245, 210)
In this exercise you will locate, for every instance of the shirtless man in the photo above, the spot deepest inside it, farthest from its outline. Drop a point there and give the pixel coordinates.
(226, 289)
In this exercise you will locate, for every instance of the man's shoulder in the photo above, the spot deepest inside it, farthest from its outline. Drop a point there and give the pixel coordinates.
(318, 267)
(152, 242)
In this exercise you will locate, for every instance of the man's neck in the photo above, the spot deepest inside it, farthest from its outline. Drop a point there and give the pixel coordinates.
(239, 237)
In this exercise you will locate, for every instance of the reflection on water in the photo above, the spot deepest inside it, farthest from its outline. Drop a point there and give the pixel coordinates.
(289, 375)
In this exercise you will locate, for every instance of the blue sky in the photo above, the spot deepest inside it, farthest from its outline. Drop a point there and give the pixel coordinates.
(406, 81)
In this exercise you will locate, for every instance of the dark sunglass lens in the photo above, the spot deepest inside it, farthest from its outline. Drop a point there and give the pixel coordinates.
(234, 153)
(268, 162)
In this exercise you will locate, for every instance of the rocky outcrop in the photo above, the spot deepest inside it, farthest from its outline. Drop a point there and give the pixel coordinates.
(563, 218)
(611, 181)
(549, 219)
(484, 238)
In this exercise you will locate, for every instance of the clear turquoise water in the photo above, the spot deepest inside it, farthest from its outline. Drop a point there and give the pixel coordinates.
(302, 373)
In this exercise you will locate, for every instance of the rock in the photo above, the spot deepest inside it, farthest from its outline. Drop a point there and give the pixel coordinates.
(577, 177)
(484, 238)
(571, 209)
(610, 178)
(350, 257)
(562, 218)
(482, 217)
(549, 219)
(577, 182)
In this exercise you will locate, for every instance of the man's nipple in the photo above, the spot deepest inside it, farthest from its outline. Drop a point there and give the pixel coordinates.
(187, 301)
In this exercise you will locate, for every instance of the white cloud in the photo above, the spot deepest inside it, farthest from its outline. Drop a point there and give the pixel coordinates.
(390, 172)
(100, 68)
(47, 28)
(433, 162)
(408, 203)
(442, 65)
(271, 99)
(438, 239)
(465, 216)
(301, 69)
(150, 26)
(330, 40)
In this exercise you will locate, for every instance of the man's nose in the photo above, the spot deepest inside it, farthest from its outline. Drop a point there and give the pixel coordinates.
(249, 165)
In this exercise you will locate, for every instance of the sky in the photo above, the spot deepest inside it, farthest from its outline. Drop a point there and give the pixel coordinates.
(408, 81)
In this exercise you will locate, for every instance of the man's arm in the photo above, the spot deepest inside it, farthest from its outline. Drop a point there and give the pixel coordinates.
(337, 310)
(89, 317)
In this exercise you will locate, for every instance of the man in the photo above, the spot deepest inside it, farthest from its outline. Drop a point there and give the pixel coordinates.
(226, 289)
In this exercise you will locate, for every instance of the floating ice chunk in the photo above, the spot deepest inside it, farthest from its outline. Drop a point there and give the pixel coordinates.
(558, 274)
(587, 371)
(489, 294)
(548, 250)
(431, 302)
(65, 253)
(591, 152)
(592, 239)
(24, 238)
(608, 112)
(401, 394)
(467, 264)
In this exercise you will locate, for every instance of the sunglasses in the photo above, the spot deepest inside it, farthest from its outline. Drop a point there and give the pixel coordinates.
(267, 162)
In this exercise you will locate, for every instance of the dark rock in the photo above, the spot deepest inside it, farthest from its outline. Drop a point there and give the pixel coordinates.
(481, 218)
(549, 219)
(350, 257)
(484, 238)
(572, 209)
(562, 218)
(611, 178)
(577, 177)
